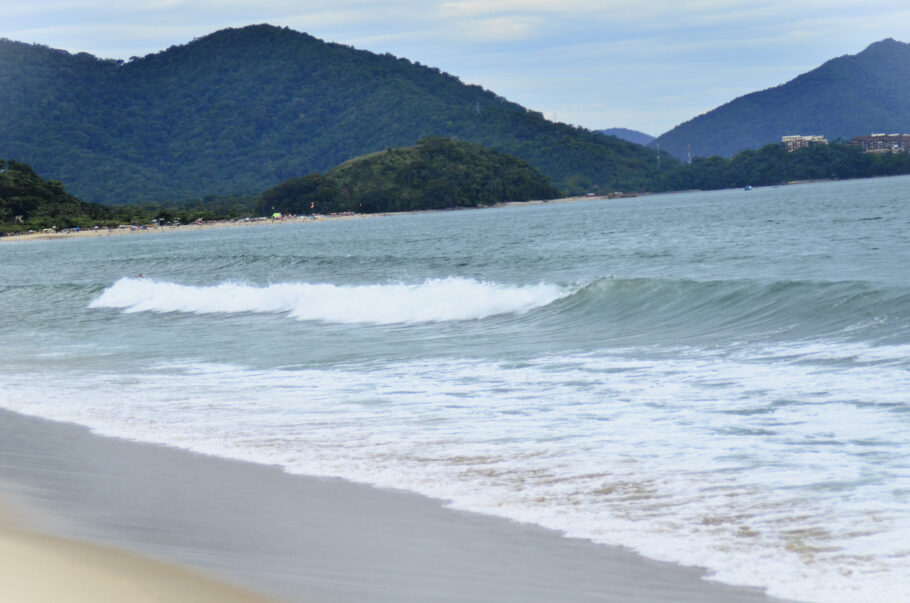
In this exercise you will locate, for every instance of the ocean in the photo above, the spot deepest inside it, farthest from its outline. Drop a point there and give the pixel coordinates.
(719, 379)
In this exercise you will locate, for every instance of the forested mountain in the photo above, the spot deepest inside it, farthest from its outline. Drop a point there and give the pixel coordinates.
(240, 110)
(436, 173)
(849, 96)
(630, 135)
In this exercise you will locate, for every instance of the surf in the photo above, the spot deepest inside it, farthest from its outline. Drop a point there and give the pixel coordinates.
(434, 300)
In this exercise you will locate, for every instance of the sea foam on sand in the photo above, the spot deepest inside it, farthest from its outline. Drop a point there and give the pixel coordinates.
(294, 537)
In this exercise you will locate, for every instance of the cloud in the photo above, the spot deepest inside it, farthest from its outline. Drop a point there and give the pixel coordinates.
(476, 8)
(500, 30)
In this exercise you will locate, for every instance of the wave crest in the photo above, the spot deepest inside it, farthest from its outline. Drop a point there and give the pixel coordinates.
(434, 300)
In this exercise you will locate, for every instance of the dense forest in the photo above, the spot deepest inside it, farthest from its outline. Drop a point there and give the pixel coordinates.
(241, 110)
(848, 96)
(28, 202)
(772, 164)
(436, 173)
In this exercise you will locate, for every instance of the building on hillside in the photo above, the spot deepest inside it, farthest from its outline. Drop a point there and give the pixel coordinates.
(882, 143)
(800, 142)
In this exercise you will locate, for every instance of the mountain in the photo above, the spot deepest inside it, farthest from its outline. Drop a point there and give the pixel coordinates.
(848, 96)
(240, 110)
(436, 173)
(630, 135)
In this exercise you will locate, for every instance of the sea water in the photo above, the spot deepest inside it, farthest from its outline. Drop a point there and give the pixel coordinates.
(718, 379)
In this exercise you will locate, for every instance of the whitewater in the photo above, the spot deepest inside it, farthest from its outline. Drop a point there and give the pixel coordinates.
(715, 379)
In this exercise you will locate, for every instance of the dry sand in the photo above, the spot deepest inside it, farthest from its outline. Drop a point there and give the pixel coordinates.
(40, 568)
(293, 537)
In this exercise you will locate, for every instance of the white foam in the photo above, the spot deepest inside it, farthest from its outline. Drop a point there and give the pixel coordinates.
(435, 300)
(770, 469)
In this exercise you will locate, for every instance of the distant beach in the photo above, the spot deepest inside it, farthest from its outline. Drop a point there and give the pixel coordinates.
(152, 229)
(129, 229)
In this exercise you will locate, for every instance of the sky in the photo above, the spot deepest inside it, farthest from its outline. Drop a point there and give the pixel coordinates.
(647, 65)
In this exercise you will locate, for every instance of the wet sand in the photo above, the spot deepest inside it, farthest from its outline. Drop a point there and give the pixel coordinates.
(302, 538)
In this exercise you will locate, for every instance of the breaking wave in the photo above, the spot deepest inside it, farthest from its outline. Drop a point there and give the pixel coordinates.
(615, 309)
(435, 300)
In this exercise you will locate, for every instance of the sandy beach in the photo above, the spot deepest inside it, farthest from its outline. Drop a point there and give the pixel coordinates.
(36, 566)
(39, 568)
(291, 537)
(118, 232)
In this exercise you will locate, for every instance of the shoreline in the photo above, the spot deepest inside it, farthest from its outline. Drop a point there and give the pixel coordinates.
(295, 537)
(101, 232)
(118, 232)
(147, 229)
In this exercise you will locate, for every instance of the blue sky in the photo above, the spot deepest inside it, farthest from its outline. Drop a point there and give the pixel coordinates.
(646, 64)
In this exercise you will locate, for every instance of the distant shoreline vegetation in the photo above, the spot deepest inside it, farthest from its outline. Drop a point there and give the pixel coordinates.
(436, 173)
(773, 164)
(27, 202)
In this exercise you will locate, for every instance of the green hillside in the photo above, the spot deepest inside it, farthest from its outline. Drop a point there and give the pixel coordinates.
(848, 96)
(240, 110)
(772, 164)
(29, 202)
(436, 173)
